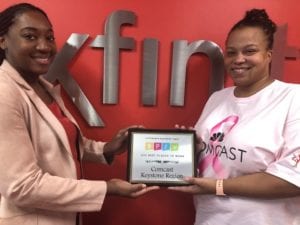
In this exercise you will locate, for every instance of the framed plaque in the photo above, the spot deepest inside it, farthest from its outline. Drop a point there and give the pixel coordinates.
(161, 157)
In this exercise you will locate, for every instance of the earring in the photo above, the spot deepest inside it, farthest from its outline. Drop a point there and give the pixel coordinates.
(2, 43)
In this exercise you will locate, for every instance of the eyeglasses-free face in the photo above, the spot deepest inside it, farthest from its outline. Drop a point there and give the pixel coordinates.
(247, 58)
(29, 44)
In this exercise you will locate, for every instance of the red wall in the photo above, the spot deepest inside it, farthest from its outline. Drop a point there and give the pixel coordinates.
(166, 20)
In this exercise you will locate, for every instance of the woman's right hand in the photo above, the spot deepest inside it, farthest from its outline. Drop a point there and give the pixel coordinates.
(125, 189)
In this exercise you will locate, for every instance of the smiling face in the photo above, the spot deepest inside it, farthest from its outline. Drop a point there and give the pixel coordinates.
(29, 44)
(247, 58)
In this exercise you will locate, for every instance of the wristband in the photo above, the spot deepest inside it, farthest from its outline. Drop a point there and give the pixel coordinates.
(219, 188)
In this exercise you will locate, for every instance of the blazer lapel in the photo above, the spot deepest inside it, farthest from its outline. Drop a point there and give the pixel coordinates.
(51, 119)
(39, 105)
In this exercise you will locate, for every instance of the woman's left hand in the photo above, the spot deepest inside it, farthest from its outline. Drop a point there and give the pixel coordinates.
(199, 142)
(118, 144)
(197, 186)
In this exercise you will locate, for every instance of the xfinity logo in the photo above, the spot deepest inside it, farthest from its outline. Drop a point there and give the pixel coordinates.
(112, 43)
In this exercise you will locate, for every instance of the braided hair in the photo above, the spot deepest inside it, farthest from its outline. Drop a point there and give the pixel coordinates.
(258, 18)
(7, 18)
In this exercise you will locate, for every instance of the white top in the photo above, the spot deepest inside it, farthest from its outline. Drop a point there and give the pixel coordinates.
(248, 135)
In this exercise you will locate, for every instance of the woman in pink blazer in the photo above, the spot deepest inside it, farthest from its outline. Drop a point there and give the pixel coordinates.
(41, 146)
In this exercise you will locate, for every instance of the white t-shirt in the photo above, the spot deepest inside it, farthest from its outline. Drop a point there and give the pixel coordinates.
(244, 136)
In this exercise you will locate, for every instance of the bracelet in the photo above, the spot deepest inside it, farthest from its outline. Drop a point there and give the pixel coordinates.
(220, 188)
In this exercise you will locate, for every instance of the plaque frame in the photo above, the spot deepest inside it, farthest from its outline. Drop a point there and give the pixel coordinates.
(165, 152)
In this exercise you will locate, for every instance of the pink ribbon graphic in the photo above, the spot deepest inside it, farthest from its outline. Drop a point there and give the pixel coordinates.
(222, 128)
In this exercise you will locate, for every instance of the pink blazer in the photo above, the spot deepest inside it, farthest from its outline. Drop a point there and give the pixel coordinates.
(38, 182)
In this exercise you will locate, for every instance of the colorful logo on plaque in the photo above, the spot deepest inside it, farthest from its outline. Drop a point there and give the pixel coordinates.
(161, 146)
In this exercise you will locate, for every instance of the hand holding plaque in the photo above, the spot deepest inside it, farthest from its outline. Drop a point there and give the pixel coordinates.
(161, 157)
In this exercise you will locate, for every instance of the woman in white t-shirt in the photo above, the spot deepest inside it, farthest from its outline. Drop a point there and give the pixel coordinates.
(249, 163)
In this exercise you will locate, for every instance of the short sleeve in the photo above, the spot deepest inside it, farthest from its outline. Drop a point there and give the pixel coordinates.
(287, 165)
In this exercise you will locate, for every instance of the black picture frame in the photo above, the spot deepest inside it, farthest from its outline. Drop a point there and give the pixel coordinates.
(161, 156)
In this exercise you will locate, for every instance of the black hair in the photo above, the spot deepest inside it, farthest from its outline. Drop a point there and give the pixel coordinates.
(258, 18)
(8, 15)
